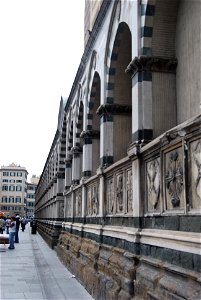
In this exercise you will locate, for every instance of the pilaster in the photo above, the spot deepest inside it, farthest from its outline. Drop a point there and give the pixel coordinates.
(76, 164)
(141, 70)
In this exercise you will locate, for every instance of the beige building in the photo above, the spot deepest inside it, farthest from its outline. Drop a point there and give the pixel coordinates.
(13, 189)
(31, 188)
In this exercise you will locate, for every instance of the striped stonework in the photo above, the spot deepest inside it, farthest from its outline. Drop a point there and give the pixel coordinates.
(79, 125)
(70, 138)
(62, 151)
(147, 17)
(90, 114)
(112, 64)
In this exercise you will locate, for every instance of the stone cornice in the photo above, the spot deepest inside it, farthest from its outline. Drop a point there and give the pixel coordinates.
(152, 64)
(114, 109)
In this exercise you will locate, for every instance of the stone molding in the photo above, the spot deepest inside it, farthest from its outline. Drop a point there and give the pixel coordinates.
(151, 64)
(176, 240)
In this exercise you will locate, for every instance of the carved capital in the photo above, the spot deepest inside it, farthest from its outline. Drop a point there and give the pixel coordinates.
(152, 64)
(76, 150)
(94, 134)
(114, 109)
(68, 158)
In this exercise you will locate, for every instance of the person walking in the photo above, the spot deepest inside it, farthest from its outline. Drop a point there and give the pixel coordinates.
(17, 219)
(12, 231)
(7, 224)
(23, 223)
(1, 225)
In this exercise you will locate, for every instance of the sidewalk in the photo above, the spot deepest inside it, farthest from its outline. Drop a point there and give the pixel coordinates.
(33, 271)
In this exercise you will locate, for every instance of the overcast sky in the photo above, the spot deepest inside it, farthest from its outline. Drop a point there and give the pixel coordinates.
(41, 45)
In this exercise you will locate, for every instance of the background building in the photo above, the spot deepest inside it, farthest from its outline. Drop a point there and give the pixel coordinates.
(13, 189)
(31, 188)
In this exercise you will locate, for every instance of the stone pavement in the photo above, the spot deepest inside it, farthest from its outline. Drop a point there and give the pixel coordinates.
(33, 271)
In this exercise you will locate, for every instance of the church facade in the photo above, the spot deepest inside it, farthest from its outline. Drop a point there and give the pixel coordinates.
(120, 193)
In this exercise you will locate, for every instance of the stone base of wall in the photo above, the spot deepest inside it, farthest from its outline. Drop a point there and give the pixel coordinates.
(112, 273)
(49, 234)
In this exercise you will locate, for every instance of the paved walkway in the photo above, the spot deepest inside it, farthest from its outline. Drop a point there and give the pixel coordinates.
(33, 271)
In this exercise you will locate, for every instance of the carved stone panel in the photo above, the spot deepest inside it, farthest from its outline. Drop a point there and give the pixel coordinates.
(119, 193)
(78, 203)
(153, 185)
(174, 180)
(195, 171)
(68, 206)
(93, 199)
(61, 209)
(110, 196)
(129, 192)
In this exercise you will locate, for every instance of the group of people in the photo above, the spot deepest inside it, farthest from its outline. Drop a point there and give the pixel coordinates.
(12, 225)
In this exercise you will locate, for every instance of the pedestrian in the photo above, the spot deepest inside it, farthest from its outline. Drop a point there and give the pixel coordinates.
(1, 225)
(12, 231)
(7, 224)
(23, 223)
(17, 219)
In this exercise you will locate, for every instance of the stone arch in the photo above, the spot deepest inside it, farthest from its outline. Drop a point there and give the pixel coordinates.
(158, 62)
(70, 138)
(78, 144)
(119, 92)
(93, 125)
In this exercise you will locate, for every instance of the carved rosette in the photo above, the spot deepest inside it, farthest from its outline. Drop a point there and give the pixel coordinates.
(153, 184)
(195, 152)
(174, 180)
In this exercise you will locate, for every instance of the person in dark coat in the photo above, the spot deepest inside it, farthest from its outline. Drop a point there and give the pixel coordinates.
(17, 219)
